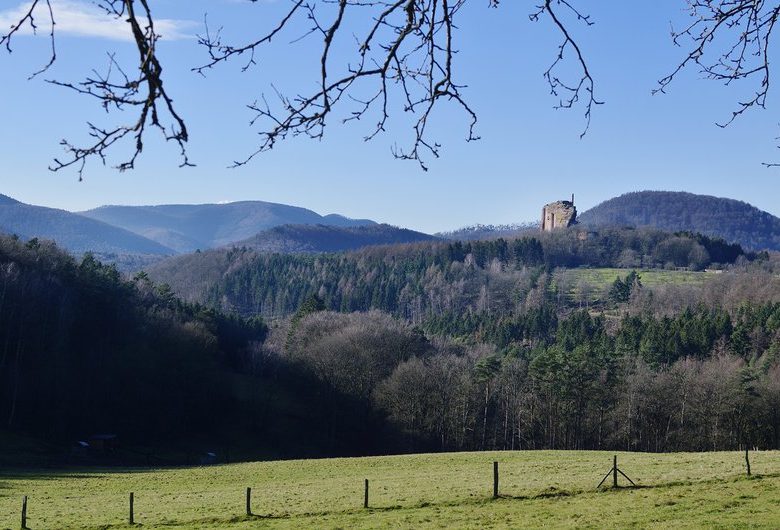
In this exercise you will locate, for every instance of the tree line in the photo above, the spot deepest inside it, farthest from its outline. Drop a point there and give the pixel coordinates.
(703, 380)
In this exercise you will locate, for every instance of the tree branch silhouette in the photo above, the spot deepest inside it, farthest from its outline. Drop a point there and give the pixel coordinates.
(728, 41)
(115, 89)
(404, 58)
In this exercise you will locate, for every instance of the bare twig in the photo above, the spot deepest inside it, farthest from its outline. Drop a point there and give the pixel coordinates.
(115, 89)
(582, 88)
(729, 41)
(406, 53)
(405, 57)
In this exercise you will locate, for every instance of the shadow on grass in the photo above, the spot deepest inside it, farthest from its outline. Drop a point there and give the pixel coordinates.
(78, 474)
(550, 493)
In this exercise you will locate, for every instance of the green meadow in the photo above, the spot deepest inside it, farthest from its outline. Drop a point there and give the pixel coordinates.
(537, 489)
(600, 280)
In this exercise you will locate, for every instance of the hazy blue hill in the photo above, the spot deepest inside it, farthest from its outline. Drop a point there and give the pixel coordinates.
(335, 219)
(321, 238)
(5, 200)
(734, 221)
(73, 232)
(200, 226)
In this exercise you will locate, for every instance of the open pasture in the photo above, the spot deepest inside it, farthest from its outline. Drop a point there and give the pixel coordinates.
(598, 281)
(537, 488)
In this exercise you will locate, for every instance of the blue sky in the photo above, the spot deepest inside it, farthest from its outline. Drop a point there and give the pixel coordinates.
(529, 153)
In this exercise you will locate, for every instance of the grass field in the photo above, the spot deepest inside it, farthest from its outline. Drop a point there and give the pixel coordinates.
(600, 280)
(538, 489)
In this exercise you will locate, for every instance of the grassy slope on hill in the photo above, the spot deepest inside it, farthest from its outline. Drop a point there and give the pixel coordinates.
(601, 279)
(543, 488)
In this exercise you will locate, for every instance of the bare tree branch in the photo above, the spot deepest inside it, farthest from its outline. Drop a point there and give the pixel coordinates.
(729, 41)
(28, 19)
(115, 89)
(570, 93)
(406, 53)
(404, 57)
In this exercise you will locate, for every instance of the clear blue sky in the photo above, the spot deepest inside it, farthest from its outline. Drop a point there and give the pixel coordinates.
(529, 153)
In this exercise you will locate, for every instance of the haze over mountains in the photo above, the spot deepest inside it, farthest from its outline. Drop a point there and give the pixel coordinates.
(74, 232)
(135, 236)
(186, 228)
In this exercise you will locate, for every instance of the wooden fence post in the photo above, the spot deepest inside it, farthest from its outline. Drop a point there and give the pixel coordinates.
(131, 517)
(747, 461)
(365, 497)
(249, 501)
(495, 480)
(24, 512)
(614, 471)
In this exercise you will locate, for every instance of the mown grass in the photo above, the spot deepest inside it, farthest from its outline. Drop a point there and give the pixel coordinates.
(540, 488)
(601, 278)
(599, 281)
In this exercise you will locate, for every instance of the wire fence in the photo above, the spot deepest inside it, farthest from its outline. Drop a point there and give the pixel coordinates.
(324, 487)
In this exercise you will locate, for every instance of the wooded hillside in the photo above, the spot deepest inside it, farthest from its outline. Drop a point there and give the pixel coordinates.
(734, 221)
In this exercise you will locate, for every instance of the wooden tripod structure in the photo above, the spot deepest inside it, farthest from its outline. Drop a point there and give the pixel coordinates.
(614, 472)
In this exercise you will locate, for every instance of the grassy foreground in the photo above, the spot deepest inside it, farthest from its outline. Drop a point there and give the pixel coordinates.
(541, 488)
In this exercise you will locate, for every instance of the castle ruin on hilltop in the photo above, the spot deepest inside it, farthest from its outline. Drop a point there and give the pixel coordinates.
(559, 214)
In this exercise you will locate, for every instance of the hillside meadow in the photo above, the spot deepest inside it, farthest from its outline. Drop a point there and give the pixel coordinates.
(450, 490)
(599, 280)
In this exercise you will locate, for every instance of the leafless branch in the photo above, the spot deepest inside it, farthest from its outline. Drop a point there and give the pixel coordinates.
(28, 19)
(404, 57)
(116, 90)
(728, 41)
(570, 93)
(406, 53)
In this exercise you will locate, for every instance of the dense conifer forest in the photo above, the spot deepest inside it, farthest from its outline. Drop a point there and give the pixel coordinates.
(414, 280)
(428, 346)
(85, 351)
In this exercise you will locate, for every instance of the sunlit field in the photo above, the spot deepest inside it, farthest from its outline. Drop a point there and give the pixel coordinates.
(542, 488)
(600, 280)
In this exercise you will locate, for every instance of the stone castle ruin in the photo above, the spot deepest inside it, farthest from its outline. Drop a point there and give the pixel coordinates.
(559, 214)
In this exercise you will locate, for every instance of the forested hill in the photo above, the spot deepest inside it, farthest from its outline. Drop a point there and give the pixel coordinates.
(321, 238)
(414, 280)
(485, 360)
(188, 227)
(84, 351)
(732, 220)
(73, 232)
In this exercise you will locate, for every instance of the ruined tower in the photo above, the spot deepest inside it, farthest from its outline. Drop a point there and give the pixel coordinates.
(559, 214)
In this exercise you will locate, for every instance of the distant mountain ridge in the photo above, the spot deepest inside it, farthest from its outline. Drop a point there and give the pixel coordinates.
(73, 232)
(732, 220)
(322, 238)
(480, 231)
(186, 228)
